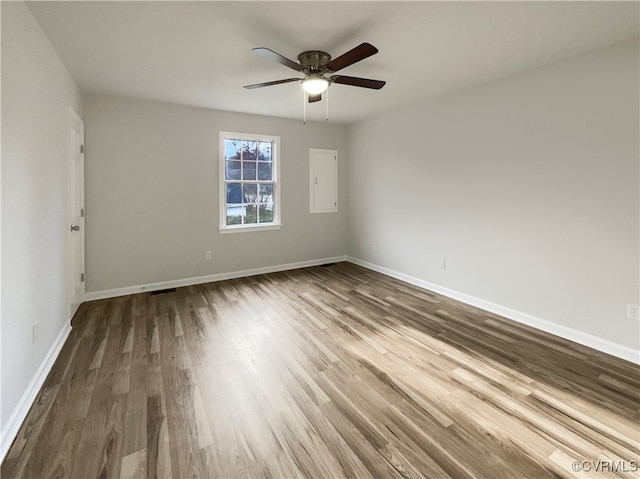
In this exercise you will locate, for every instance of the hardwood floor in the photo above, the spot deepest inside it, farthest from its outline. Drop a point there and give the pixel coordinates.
(323, 372)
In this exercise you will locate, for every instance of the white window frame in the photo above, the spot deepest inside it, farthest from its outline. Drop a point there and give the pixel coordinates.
(222, 183)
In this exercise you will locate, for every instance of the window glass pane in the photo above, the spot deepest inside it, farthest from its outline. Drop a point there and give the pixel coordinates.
(233, 170)
(232, 149)
(266, 212)
(264, 171)
(234, 215)
(249, 170)
(251, 214)
(250, 193)
(264, 150)
(249, 150)
(234, 193)
(265, 193)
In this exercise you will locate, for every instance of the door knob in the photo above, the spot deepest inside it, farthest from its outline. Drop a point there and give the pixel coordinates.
(75, 228)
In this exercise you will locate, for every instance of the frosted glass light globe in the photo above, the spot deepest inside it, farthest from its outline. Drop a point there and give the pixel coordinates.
(314, 86)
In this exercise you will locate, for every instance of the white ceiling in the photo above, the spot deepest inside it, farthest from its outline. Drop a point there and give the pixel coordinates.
(199, 53)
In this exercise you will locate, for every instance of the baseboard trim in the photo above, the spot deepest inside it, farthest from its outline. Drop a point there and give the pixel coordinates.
(585, 339)
(143, 288)
(10, 430)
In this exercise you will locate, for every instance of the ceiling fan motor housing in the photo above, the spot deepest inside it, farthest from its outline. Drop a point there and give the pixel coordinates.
(314, 60)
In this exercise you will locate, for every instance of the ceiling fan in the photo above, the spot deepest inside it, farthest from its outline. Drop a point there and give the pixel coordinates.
(318, 69)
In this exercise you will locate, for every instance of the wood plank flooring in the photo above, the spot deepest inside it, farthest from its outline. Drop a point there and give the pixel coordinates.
(323, 372)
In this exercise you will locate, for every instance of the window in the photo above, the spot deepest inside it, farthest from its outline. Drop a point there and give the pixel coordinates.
(249, 184)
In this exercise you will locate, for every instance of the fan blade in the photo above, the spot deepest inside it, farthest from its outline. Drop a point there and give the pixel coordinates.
(269, 83)
(355, 81)
(314, 98)
(276, 57)
(362, 51)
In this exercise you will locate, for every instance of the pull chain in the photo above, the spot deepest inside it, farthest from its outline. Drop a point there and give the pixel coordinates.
(327, 100)
(304, 107)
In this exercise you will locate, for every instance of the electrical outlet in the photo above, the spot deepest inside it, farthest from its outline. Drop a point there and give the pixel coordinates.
(443, 265)
(632, 311)
(207, 255)
(374, 246)
(34, 333)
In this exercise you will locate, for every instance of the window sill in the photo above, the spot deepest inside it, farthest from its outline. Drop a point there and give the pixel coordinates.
(247, 229)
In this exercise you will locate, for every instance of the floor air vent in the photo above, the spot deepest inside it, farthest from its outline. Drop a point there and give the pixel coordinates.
(163, 291)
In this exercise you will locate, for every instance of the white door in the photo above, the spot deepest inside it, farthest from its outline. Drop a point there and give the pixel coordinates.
(76, 211)
(323, 179)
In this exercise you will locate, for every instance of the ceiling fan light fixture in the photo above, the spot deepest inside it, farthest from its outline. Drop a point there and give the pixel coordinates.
(315, 85)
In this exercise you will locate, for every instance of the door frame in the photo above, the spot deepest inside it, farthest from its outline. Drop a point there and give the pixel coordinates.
(75, 297)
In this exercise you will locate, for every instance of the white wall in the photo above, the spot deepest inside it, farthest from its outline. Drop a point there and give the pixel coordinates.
(152, 194)
(528, 188)
(37, 91)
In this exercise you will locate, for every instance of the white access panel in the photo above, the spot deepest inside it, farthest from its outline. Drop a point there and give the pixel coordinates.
(323, 184)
